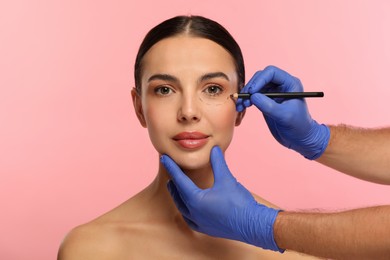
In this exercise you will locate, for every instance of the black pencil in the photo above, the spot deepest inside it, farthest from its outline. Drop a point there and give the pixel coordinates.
(282, 95)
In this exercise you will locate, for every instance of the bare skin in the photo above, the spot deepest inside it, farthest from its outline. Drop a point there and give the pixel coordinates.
(355, 234)
(361, 153)
(148, 226)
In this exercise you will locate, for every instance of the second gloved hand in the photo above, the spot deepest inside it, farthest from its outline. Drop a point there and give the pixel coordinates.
(288, 120)
(226, 210)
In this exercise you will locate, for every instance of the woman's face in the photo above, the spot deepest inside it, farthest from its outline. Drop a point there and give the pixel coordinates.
(177, 72)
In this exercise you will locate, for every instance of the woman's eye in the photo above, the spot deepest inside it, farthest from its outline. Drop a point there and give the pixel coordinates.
(213, 90)
(163, 90)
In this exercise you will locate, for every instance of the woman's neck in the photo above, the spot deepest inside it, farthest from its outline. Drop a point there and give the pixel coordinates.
(158, 197)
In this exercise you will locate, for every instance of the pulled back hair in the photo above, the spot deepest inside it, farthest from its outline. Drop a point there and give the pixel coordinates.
(197, 26)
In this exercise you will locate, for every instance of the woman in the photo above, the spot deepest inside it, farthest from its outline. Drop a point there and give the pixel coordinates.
(185, 71)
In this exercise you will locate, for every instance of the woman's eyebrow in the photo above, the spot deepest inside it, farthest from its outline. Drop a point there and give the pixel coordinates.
(165, 77)
(207, 76)
(213, 75)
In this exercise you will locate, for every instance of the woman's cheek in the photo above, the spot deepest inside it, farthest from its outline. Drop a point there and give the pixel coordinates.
(157, 113)
(226, 117)
(224, 124)
(157, 120)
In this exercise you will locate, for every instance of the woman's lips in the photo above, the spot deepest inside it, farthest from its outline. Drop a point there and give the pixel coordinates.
(191, 140)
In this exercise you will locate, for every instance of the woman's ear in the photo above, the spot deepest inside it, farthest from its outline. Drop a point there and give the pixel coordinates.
(239, 117)
(137, 102)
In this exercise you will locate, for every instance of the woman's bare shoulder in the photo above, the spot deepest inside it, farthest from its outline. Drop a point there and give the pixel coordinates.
(101, 238)
(88, 241)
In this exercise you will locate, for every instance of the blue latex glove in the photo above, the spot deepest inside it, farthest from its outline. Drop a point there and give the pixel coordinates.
(226, 210)
(288, 120)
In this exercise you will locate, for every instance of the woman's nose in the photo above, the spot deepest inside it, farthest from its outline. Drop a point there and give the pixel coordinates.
(189, 110)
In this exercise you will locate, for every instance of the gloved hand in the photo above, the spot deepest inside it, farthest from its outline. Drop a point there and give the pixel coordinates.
(288, 120)
(226, 210)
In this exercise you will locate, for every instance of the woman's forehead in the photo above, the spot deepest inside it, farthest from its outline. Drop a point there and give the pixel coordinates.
(188, 53)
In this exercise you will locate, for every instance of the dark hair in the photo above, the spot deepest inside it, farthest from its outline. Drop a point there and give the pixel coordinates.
(193, 25)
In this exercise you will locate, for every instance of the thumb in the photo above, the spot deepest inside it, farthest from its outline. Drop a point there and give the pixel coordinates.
(266, 105)
(183, 184)
(180, 205)
(218, 164)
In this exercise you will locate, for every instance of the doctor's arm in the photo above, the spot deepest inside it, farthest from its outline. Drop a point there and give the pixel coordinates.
(228, 210)
(355, 234)
(362, 153)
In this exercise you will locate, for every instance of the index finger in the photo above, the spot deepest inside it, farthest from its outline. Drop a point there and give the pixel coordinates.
(272, 75)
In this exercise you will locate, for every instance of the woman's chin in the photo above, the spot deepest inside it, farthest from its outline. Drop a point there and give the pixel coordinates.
(190, 160)
(188, 166)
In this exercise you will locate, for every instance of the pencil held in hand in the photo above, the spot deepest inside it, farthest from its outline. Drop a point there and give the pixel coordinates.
(282, 95)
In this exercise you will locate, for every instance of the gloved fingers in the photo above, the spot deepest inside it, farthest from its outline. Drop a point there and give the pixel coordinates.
(271, 79)
(242, 104)
(275, 77)
(285, 112)
(265, 104)
(253, 80)
(269, 107)
(263, 79)
(180, 205)
(184, 184)
(247, 102)
(219, 166)
(239, 106)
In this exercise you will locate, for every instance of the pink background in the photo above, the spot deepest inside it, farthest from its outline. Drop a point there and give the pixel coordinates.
(71, 147)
